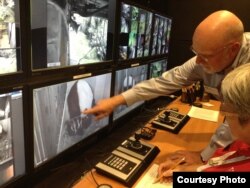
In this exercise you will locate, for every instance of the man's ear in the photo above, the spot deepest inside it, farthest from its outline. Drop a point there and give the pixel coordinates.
(235, 47)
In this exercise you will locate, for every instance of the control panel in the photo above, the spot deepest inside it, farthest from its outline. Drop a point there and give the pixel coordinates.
(128, 161)
(170, 120)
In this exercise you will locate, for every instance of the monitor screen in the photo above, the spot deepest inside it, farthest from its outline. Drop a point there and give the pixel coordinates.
(12, 157)
(135, 32)
(161, 34)
(74, 32)
(9, 37)
(124, 80)
(157, 67)
(58, 121)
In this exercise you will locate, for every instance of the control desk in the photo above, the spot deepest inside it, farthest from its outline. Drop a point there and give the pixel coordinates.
(194, 136)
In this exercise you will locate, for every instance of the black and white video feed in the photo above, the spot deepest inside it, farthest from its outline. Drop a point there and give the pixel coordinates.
(6, 152)
(148, 33)
(125, 18)
(144, 36)
(58, 121)
(88, 30)
(8, 62)
(141, 36)
(155, 36)
(57, 32)
(77, 32)
(160, 39)
(124, 80)
(12, 157)
(168, 31)
(5, 130)
(124, 31)
(161, 35)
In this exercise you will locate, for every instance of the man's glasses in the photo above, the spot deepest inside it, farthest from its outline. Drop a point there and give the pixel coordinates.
(207, 57)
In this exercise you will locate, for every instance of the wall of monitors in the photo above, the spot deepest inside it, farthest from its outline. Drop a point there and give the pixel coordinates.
(161, 34)
(135, 32)
(63, 56)
(142, 32)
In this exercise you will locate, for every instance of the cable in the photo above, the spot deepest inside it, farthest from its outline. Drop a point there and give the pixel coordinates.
(87, 161)
(74, 182)
(92, 175)
(83, 174)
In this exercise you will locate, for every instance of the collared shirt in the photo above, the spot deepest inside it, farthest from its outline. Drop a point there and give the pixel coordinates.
(184, 75)
(233, 158)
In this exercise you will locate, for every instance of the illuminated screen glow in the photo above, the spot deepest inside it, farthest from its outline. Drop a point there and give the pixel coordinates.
(58, 121)
(157, 68)
(8, 39)
(12, 161)
(161, 35)
(124, 80)
(75, 32)
(135, 32)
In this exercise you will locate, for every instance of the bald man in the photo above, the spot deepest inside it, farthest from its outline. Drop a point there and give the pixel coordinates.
(219, 45)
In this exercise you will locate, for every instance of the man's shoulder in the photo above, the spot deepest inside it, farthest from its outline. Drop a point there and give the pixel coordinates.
(247, 35)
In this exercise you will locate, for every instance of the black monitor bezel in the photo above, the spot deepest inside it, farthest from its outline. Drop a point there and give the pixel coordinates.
(22, 34)
(74, 69)
(136, 109)
(119, 8)
(128, 61)
(156, 13)
(70, 152)
(16, 179)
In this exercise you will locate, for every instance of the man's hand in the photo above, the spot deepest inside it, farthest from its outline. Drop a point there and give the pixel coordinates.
(105, 106)
(184, 161)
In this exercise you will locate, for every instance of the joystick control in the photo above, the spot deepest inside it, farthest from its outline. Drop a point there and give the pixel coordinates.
(170, 120)
(136, 144)
(164, 117)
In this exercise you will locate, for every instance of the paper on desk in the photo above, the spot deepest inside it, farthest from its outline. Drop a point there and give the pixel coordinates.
(201, 113)
(148, 179)
(207, 104)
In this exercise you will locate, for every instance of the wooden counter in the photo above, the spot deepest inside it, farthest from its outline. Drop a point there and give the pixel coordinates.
(193, 136)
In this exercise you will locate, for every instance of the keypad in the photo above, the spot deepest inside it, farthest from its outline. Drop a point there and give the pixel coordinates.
(120, 163)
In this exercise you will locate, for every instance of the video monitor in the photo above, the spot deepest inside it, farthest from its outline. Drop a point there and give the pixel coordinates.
(9, 37)
(12, 157)
(124, 80)
(161, 34)
(72, 32)
(57, 118)
(157, 67)
(135, 32)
